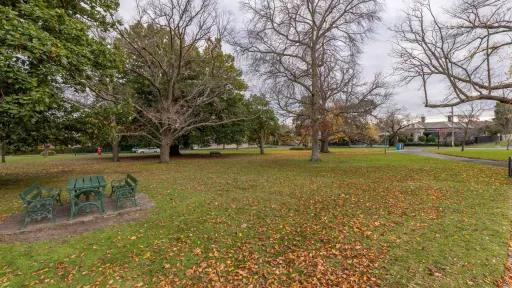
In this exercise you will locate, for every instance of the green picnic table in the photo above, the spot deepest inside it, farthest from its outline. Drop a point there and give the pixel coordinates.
(81, 189)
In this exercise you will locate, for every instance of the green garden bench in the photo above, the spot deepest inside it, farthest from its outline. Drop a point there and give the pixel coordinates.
(38, 202)
(215, 153)
(125, 190)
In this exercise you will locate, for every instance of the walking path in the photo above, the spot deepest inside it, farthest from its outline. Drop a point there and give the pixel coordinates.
(421, 152)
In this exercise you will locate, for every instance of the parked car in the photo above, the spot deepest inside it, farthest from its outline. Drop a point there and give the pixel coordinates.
(134, 149)
(148, 150)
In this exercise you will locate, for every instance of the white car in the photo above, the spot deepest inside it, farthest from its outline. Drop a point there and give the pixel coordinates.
(147, 150)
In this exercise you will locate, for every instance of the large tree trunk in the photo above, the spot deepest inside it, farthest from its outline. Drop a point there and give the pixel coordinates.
(462, 147)
(165, 148)
(324, 146)
(3, 149)
(324, 141)
(164, 152)
(315, 143)
(315, 125)
(115, 149)
(262, 143)
(115, 140)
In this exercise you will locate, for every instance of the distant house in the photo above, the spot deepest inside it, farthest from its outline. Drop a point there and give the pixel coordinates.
(443, 131)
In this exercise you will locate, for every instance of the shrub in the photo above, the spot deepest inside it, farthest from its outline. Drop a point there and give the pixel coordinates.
(422, 139)
(431, 139)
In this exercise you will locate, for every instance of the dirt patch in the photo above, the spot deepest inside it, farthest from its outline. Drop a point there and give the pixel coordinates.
(11, 229)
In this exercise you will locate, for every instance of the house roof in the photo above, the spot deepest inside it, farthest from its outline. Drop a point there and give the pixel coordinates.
(443, 125)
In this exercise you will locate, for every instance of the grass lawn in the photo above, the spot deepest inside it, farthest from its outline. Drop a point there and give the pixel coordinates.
(491, 154)
(358, 217)
(500, 144)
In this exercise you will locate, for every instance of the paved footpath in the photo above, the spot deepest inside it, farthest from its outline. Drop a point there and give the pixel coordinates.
(421, 152)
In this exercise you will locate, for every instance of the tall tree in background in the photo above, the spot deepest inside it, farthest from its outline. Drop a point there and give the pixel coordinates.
(393, 121)
(290, 41)
(349, 97)
(469, 116)
(174, 52)
(465, 48)
(107, 122)
(357, 129)
(262, 123)
(503, 121)
(228, 106)
(46, 49)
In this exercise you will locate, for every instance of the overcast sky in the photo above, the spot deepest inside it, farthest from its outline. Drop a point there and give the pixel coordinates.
(377, 50)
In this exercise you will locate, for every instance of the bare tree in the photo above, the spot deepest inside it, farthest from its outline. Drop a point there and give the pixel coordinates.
(344, 94)
(290, 41)
(393, 121)
(469, 116)
(464, 48)
(174, 47)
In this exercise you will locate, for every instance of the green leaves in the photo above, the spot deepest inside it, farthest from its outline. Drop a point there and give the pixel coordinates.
(263, 121)
(47, 49)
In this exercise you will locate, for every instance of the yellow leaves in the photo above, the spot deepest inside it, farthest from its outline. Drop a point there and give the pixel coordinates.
(189, 272)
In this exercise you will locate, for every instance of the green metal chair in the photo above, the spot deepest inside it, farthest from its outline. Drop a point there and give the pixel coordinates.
(125, 190)
(38, 203)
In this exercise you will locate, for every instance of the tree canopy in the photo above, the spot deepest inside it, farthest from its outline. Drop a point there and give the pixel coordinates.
(47, 53)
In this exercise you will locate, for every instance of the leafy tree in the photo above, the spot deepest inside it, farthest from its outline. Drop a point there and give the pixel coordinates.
(503, 120)
(106, 123)
(231, 105)
(46, 50)
(180, 68)
(263, 122)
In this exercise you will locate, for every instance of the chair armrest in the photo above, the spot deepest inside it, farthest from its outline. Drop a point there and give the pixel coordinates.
(115, 184)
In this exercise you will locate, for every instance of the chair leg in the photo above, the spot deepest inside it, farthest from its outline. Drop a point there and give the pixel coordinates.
(102, 206)
(71, 214)
(53, 216)
(25, 221)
